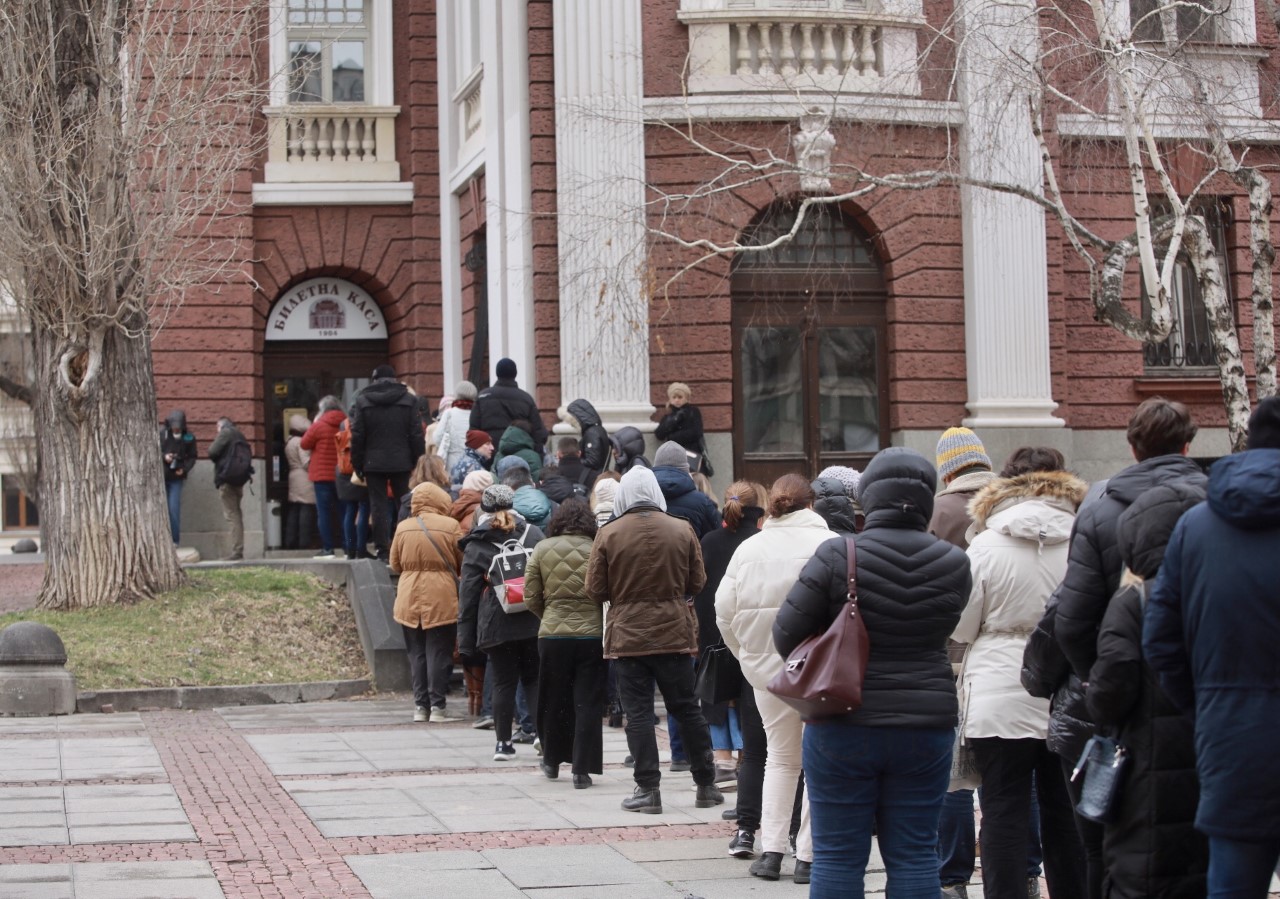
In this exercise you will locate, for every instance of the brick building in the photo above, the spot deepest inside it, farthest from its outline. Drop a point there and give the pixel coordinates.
(449, 183)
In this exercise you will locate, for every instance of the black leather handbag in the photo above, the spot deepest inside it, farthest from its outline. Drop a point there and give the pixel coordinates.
(1102, 764)
(719, 677)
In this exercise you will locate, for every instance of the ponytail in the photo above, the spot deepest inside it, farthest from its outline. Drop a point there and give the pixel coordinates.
(740, 496)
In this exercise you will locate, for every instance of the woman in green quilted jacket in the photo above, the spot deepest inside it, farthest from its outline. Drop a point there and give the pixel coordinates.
(572, 674)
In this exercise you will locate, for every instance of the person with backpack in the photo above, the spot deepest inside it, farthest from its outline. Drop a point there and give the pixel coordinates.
(500, 541)
(323, 470)
(353, 496)
(232, 459)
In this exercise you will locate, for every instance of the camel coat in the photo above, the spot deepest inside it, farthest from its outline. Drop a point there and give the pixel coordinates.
(427, 595)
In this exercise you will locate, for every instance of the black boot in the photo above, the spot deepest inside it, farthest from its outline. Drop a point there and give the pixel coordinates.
(802, 872)
(550, 771)
(647, 802)
(708, 795)
(581, 781)
(768, 866)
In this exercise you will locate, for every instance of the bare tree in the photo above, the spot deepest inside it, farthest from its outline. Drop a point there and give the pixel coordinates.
(1161, 99)
(124, 125)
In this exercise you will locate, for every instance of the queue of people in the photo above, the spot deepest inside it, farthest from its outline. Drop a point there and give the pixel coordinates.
(1012, 614)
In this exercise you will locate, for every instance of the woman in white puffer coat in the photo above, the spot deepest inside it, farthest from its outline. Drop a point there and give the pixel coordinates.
(1018, 554)
(760, 574)
(451, 429)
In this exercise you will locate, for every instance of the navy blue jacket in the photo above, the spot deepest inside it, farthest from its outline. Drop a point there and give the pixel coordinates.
(684, 500)
(1211, 632)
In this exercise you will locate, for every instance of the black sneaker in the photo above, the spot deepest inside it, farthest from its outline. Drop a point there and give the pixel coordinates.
(743, 845)
(504, 752)
(646, 802)
(679, 767)
(803, 872)
(768, 866)
(523, 736)
(730, 814)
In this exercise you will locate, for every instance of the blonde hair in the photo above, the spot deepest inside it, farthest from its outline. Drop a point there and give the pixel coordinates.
(503, 520)
(738, 497)
(430, 470)
(703, 483)
(678, 388)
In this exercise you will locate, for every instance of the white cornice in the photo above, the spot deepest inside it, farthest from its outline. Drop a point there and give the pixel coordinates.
(376, 193)
(878, 110)
(1237, 128)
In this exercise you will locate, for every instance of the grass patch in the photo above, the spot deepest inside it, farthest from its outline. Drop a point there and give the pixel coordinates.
(227, 626)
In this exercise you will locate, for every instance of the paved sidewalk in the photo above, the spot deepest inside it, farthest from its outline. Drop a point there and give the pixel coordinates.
(337, 799)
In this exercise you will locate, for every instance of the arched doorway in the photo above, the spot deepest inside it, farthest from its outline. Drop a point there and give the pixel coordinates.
(810, 367)
(324, 336)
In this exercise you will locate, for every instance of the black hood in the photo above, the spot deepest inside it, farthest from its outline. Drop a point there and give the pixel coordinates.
(1143, 530)
(176, 420)
(628, 443)
(1136, 480)
(834, 505)
(585, 413)
(897, 489)
(386, 392)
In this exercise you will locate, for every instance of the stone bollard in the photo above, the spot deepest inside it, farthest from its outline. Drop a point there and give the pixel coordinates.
(33, 675)
(26, 545)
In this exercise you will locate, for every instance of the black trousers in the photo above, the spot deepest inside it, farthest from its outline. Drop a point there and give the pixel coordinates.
(509, 664)
(430, 662)
(755, 752)
(1007, 768)
(381, 515)
(674, 677)
(571, 702)
(1090, 834)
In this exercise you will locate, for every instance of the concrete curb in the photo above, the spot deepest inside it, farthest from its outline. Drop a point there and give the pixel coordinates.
(217, 697)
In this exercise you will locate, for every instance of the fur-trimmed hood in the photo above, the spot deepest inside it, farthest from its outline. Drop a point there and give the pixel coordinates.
(1050, 499)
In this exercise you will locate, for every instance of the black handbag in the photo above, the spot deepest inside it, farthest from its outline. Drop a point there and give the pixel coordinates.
(1103, 764)
(719, 677)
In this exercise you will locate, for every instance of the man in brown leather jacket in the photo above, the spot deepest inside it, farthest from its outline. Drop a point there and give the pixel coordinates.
(648, 566)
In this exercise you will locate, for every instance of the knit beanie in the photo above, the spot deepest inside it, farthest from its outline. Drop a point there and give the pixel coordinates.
(846, 476)
(506, 369)
(672, 455)
(679, 388)
(958, 449)
(497, 497)
(465, 391)
(477, 438)
(383, 371)
(506, 463)
(477, 481)
(1264, 425)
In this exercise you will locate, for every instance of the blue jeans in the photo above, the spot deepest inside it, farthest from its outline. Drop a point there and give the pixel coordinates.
(355, 528)
(893, 777)
(1240, 870)
(173, 493)
(326, 502)
(957, 839)
(728, 735)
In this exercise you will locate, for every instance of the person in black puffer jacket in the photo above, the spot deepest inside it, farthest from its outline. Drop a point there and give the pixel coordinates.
(594, 445)
(628, 449)
(889, 762)
(1151, 850)
(836, 489)
(498, 406)
(386, 441)
(1159, 433)
(684, 500)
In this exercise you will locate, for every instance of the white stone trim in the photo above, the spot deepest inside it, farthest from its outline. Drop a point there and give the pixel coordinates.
(1237, 128)
(789, 107)
(600, 191)
(333, 193)
(450, 237)
(1006, 272)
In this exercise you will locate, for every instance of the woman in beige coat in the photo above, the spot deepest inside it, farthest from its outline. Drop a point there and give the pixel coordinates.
(300, 514)
(425, 553)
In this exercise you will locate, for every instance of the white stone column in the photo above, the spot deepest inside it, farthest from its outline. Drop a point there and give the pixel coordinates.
(1005, 256)
(600, 172)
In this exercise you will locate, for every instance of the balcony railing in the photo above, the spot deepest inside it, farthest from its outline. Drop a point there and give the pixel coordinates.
(309, 142)
(827, 50)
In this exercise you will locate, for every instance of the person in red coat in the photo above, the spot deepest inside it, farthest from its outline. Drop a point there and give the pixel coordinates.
(320, 441)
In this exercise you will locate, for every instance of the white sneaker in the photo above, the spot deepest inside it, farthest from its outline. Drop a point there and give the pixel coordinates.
(420, 713)
(440, 715)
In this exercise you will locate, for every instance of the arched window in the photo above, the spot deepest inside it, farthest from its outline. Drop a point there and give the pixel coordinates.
(809, 328)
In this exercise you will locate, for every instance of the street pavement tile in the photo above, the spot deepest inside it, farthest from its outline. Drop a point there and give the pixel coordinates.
(319, 714)
(672, 850)
(654, 890)
(124, 880)
(71, 724)
(79, 759)
(407, 876)
(154, 814)
(567, 866)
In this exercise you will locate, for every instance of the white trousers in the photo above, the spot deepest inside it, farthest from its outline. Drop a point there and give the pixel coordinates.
(784, 730)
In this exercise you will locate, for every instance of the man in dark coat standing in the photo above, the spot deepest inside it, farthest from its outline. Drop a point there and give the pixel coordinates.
(684, 499)
(498, 406)
(1159, 434)
(386, 441)
(1211, 631)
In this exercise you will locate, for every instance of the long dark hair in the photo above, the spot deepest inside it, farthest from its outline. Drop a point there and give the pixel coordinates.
(573, 517)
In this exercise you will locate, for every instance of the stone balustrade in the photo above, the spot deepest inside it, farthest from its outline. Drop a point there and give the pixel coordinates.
(332, 143)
